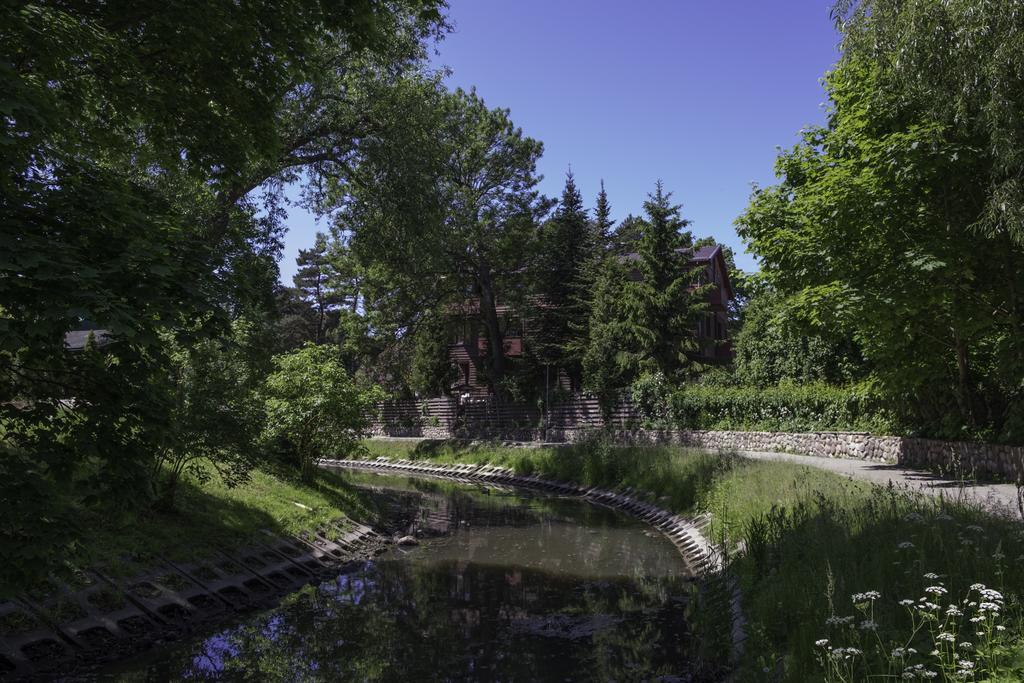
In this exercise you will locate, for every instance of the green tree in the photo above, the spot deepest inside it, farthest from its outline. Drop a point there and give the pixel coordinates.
(566, 247)
(215, 412)
(603, 373)
(775, 345)
(646, 306)
(315, 280)
(456, 221)
(313, 407)
(896, 223)
(431, 372)
(660, 310)
(144, 153)
(627, 234)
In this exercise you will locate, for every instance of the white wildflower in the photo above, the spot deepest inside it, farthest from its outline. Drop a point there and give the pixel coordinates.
(936, 590)
(865, 597)
(821, 643)
(946, 637)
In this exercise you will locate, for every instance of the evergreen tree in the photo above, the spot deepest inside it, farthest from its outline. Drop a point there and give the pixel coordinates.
(603, 375)
(596, 253)
(625, 237)
(565, 252)
(431, 372)
(296, 320)
(644, 315)
(659, 303)
(313, 280)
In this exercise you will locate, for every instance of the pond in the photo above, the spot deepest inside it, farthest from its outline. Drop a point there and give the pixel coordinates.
(505, 585)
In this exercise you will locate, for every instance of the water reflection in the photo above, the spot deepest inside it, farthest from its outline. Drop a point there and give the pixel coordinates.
(509, 588)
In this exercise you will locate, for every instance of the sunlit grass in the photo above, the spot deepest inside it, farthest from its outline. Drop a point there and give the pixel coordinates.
(209, 516)
(802, 542)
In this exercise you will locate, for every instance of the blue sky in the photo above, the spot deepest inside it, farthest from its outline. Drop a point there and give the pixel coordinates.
(697, 93)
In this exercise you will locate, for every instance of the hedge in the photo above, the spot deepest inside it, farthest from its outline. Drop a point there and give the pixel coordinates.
(784, 408)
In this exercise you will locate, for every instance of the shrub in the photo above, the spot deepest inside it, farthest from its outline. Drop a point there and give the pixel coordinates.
(794, 408)
(314, 408)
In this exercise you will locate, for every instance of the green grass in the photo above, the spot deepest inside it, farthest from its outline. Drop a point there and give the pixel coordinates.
(685, 480)
(209, 516)
(803, 541)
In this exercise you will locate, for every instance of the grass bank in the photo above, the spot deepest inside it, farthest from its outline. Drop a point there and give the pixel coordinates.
(208, 516)
(842, 580)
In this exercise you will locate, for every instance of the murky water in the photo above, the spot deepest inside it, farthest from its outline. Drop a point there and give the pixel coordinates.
(505, 586)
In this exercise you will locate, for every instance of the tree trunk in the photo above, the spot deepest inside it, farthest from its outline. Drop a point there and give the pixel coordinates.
(963, 379)
(495, 340)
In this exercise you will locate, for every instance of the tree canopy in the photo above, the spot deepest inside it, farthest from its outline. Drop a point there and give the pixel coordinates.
(896, 222)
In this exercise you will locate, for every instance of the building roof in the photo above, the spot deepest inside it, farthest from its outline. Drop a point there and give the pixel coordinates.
(706, 253)
(703, 255)
(75, 340)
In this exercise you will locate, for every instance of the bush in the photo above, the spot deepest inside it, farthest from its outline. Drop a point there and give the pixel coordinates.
(314, 408)
(789, 408)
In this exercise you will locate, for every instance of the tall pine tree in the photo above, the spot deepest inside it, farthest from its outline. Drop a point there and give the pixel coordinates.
(589, 277)
(645, 311)
(313, 280)
(565, 252)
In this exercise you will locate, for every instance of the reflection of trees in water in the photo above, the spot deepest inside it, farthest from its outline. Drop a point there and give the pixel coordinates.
(457, 620)
(398, 621)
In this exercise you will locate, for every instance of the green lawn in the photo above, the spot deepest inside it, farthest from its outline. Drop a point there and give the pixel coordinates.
(810, 540)
(210, 516)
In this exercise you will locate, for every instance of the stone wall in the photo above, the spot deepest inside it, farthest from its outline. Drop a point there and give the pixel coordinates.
(448, 418)
(822, 444)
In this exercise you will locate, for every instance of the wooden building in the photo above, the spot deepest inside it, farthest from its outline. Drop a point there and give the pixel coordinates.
(468, 344)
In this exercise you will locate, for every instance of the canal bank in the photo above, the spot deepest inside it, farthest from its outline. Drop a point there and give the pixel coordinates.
(804, 544)
(502, 583)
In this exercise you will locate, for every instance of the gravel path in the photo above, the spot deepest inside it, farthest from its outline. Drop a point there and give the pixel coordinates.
(1001, 497)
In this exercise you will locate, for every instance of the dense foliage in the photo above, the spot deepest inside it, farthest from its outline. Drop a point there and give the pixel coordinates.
(644, 314)
(144, 148)
(313, 408)
(783, 408)
(897, 225)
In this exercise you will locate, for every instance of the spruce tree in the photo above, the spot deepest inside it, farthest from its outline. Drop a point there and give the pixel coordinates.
(625, 237)
(596, 252)
(603, 373)
(565, 244)
(659, 303)
(596, 248)
(644, 314)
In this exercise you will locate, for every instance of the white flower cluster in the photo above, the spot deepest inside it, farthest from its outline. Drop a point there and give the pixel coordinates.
(867, 596)
(918, 671)
(944, 620)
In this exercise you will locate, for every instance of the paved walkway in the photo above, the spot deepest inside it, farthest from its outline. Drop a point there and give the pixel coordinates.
(1002, 497)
